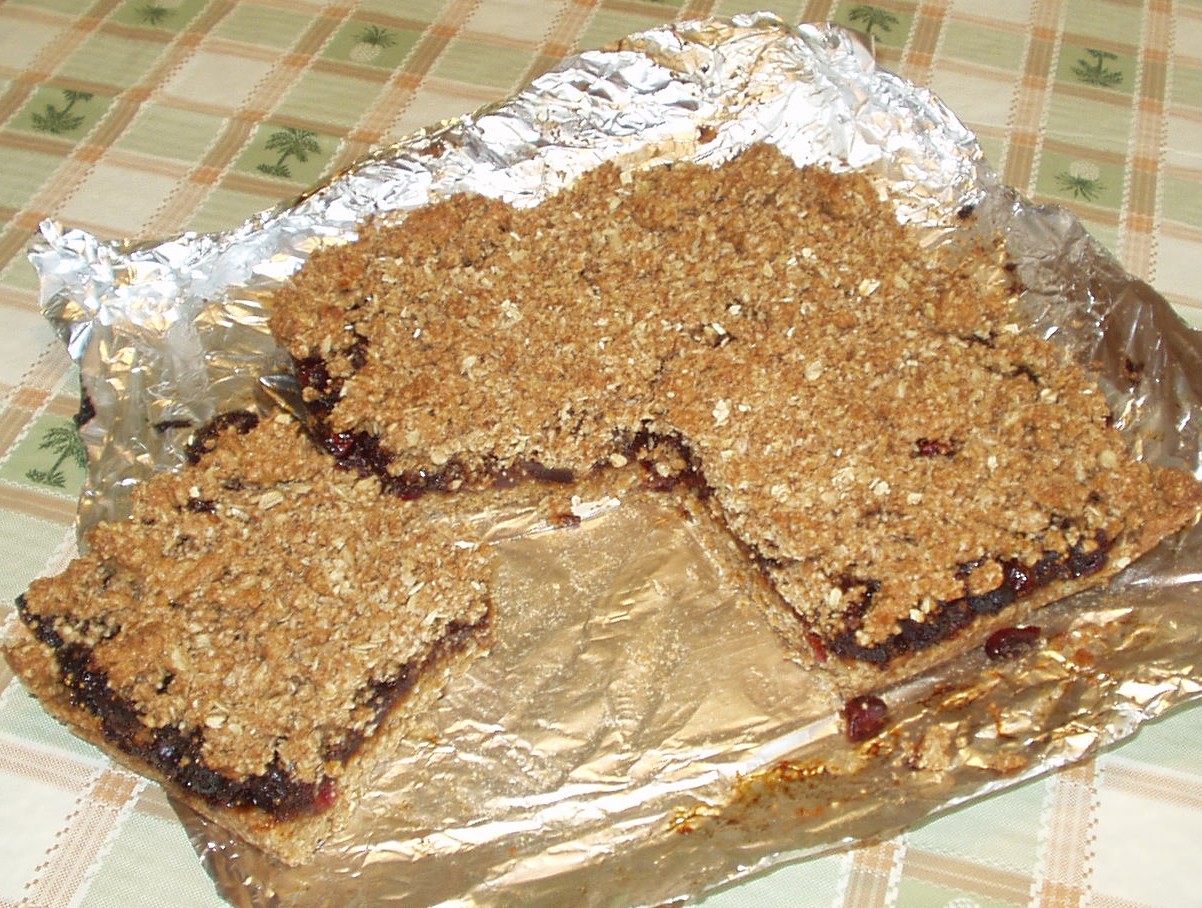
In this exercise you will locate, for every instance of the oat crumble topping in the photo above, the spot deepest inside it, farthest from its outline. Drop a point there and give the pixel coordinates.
(865, 416)
(255, 620)
(859, 417)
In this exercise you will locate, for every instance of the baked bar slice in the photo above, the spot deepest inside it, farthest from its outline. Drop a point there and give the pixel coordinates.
(898, 466)
(905, 467)
(261, 622)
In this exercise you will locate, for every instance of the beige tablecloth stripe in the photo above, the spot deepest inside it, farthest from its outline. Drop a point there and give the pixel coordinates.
(1067, 819)
(1030, 108)
(1145, 150)
(873, 874)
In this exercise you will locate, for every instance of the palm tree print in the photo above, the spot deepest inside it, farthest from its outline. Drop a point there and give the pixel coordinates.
(153, 13)
(290, 142)
(1082, 180)
(64, 441)
(1096, 73)
(369, 43)
(872, 17)
(57, 121)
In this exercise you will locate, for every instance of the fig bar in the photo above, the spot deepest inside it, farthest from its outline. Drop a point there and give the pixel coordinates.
(901, 470)
(252, 627)
(904, 467)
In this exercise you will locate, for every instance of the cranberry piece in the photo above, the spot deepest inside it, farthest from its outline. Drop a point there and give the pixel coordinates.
(312, 373)
(935, 447)
(327, 794)
(1023, 579)
(340, 444)
(866, 716)
(818, 647)
(1010, 642)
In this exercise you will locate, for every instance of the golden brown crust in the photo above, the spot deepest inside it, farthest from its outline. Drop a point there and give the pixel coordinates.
(292, 841)
(866, 417)
(251, 626)
(858, 424)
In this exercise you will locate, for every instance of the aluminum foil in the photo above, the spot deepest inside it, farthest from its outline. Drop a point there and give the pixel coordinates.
(637, 735)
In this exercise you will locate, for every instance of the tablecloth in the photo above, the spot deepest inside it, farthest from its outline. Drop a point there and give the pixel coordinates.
(150, 117)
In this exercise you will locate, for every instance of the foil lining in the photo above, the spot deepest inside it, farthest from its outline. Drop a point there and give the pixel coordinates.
(637, 736)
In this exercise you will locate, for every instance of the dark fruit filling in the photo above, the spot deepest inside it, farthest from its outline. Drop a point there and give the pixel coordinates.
(648, 449)
(87, 410)
(166, 425)
(936, 447)
(363, 452)
(202, 442)
(172, 751)
(177, 753)
(948, 618)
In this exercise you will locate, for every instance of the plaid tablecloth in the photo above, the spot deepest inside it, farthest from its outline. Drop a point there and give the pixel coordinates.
(150, 117)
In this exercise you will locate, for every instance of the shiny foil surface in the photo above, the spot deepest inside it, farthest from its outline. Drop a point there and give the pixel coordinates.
(637, 734)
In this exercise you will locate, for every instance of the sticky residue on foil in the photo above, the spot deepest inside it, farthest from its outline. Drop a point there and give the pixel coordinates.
(627, 741)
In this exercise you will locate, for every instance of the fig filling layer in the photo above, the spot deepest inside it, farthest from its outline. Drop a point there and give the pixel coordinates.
(364, 453)
(176, 752)
(838, 397)
(854, 418)
(948, 618)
